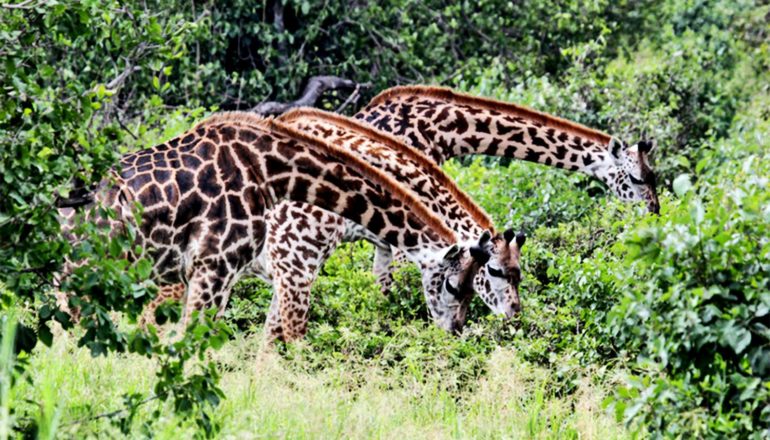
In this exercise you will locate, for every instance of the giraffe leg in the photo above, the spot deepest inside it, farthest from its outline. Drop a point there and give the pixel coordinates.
(208, 286)
(166, 293)
(273, 329)
(294, 305)
(294, 265)
(386, 260)
(383, 257)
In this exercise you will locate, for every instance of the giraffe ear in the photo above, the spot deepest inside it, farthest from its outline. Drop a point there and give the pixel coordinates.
(479, 254)
(453, 253)
(508, 235)
(479, 251)
(647, 147)
(616, 148)
(520, 239)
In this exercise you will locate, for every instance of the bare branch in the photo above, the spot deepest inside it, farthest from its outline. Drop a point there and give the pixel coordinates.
(352, 98)
(23, 5)
(316, 86)
(80, 195)
(280, 28)
(74, 202)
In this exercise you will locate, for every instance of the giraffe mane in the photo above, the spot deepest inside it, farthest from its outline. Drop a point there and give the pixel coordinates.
(448, 94)
(233, 117)
(367, 171)
(427, 165)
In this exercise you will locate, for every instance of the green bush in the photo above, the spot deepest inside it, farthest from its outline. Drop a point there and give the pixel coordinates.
(697, 306)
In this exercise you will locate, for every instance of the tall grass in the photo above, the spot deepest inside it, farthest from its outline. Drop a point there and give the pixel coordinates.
(269, 396)
(7, 361)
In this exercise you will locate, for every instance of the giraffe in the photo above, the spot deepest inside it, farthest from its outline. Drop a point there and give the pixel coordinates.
(291, 260)
(444, 124)
(204, 195)
(413, 170)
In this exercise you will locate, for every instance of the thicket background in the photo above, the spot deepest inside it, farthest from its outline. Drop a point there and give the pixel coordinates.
(664, 321)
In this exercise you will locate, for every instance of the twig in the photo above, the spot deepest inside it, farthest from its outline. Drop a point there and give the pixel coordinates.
(453, 75)
(23, 5)
(109, 414)
(122, 125)
(353, 97)
(120, 79)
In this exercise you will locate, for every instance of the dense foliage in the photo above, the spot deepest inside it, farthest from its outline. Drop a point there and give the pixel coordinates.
(668, 315)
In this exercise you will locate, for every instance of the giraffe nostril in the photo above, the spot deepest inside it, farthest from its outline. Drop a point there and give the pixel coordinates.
(654, 207)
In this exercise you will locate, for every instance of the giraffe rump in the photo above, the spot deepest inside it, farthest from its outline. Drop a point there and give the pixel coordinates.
(369, 172)
(427, 165)
(448, 94)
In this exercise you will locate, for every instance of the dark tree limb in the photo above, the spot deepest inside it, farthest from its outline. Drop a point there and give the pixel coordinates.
(280, 29)
(316, 87)
(79, 196)
(74, 202)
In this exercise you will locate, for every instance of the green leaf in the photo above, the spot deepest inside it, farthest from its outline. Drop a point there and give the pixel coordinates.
(743, 339)
(682, 184)
(143, 268)
(44, 153)
(44, 335)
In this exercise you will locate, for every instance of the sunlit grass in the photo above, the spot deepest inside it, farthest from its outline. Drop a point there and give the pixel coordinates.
(273, 397)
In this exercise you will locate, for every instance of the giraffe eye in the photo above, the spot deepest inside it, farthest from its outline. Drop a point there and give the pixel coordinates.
(497, 273)
(635, 181)
(451, 289)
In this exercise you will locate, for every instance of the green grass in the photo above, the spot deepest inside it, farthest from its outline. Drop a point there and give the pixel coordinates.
(270, 396)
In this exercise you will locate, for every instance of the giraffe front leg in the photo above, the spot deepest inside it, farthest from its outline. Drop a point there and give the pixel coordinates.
(383, 257)
(386, 261)
(273, 329)
(294, 264)
(294, 307)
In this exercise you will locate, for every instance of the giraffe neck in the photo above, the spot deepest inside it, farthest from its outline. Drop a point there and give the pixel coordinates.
(413, 170)
(268, 162)
(444, 124)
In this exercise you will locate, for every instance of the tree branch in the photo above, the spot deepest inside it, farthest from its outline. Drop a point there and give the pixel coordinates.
(352, 98)
(316, 86)
(280, 28)
(79, 196)
(23, 5)
(74, 202)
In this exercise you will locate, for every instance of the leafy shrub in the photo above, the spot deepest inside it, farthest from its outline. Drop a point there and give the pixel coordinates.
(248, 52)
(697, 307)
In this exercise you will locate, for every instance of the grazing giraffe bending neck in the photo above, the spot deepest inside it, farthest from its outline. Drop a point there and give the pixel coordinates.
(414, 171)
(205, 194)
(444, 124)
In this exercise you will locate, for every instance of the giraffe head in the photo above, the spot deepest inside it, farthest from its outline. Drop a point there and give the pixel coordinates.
(497, 282)
(448, 281)
(634, 179)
